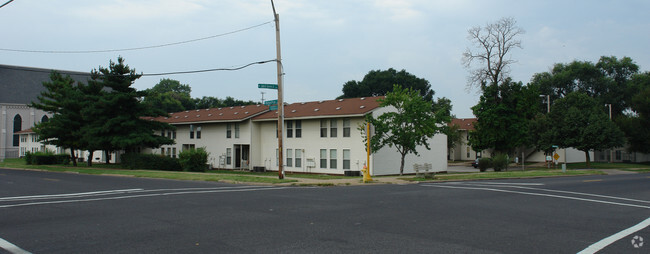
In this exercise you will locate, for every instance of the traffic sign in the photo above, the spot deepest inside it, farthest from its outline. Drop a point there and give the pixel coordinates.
(274, 107)
(556, 156)
(267, 86)
(271, 102)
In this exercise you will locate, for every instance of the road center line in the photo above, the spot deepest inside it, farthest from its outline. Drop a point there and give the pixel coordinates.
(615, 237)
(538, 194)
(68, 195)
(12, 248)
(496, 183)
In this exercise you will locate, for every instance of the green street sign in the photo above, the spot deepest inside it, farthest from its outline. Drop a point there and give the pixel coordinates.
(267, 86)
(274, 107)
(271, 102)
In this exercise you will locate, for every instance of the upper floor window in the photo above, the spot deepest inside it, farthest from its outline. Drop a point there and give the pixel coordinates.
(198, 132)
(323, 128)
(191, 131)
(289, 129)
(18, 125)
(237, 130)
(346, 127)
(333, 128)
(298, 124)
(228, 130)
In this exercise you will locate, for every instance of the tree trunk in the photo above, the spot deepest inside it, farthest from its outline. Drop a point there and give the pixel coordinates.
(587, 157)
(73, 156)
(90, 158)
(107, 155)
(401, 166)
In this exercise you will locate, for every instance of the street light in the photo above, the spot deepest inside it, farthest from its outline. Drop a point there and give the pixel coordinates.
(548, 102)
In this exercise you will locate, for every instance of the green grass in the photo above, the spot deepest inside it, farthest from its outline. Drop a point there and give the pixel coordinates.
(102, 169)
(507, 174)
(605, 165)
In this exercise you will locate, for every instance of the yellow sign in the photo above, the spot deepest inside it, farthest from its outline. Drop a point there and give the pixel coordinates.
(556, 156)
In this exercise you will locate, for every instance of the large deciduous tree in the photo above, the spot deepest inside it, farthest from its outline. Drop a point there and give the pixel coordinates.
(493, 44)
(169, 96)
(636, 122)
(579, 121)
(409, 126)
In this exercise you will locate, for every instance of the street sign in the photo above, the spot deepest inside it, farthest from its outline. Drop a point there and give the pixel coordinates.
(271, 102)
(274, 107)
(556, 156)
(267, 86)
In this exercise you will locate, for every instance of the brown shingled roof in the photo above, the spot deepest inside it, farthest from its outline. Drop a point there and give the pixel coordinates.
(340, 107)
(226, 114)
(27, 131)
(464, 123)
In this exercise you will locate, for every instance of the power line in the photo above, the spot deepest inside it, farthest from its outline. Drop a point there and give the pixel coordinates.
(128, 49)
(75, 73)
(3, 5)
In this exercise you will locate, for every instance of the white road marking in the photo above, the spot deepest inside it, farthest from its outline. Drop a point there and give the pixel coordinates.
(537, 194)
(571, 192)
(213, 190)
(68, 195)
(12, 248)
(615, 237)
(496, 183)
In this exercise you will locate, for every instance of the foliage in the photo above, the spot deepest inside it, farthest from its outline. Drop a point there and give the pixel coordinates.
(46, 158)
(493, 43)
(64, 101)
(635, 125)
(453, 135)
(169, 96)
(149, 161)
(116, 114)
(484, 164)
(410, 125)
(579, 121)
(500, 162)
(194, 159)
(213, 102)
(504, 113)
(379, 83)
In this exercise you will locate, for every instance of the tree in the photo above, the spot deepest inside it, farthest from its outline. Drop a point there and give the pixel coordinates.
(410, 125)
(379, 83)
(493, 43)
(116, 116)
(64, 101)
(635, 123)
(579, 121)
(169, 96)
(213, 102)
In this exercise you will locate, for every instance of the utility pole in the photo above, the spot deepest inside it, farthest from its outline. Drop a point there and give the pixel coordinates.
(280, 93)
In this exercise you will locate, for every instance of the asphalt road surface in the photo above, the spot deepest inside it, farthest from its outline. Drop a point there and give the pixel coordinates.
(42, 212)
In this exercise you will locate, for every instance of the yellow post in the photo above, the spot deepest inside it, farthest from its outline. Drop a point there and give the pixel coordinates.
(366, 167)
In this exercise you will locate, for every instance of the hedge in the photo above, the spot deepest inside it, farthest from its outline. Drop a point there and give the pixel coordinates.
(150, 161)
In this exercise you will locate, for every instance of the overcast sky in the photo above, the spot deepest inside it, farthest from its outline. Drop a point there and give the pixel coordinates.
(324, 43)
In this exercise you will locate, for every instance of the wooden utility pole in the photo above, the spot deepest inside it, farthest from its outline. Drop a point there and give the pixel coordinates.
(280, 93)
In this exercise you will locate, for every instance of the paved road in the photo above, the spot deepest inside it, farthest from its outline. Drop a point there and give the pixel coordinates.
(46, 212)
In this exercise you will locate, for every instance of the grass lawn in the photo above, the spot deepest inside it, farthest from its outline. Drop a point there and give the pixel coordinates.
(102, 169)
(507, 174)
(605, 165)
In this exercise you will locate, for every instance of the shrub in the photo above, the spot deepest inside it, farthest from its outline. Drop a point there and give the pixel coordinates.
(28, 158)
(149, 161)
(500, 162)
(46, 158)
(484, 164)
(194, 159)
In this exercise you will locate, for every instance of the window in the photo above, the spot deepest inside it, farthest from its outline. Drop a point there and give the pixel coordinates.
(228, 156)
(237, 130)
(346, 128)
(162, 151)
(174, 135)
(333, 129)
(346, 158)
(333, 158)
(169, 152)
(289, 129)
(174, 152)
(228, 131)
(323, 158)
(44, 119)
(191, 131)
(162, 133)
(289, 158)
(323, 128)
(298, 158)
(169, 134)
(18, 125)
(298, 128)
(198, 132)
(618, 155)
(468, 152)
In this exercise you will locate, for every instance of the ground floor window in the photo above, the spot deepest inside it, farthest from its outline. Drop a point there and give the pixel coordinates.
(333, 159)
(346, 158)
(289, 158)
(323, 158)
(298, 158)
(228, 156)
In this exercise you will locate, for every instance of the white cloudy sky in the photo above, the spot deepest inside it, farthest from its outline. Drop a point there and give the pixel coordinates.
(324, 43)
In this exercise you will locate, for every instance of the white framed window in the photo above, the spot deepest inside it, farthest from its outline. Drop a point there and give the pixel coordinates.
(333, 128)
(237, 130)
(323, 158)
(346, 127)
(289, 129)
(169, 151)
(198, 132)
(346, 158)
(228, 156)
(191, 131)
(228, 130)
(174, 152)
(323, 128)
(298, 128)
(333, 162)
(289, 158)
(298, 161)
